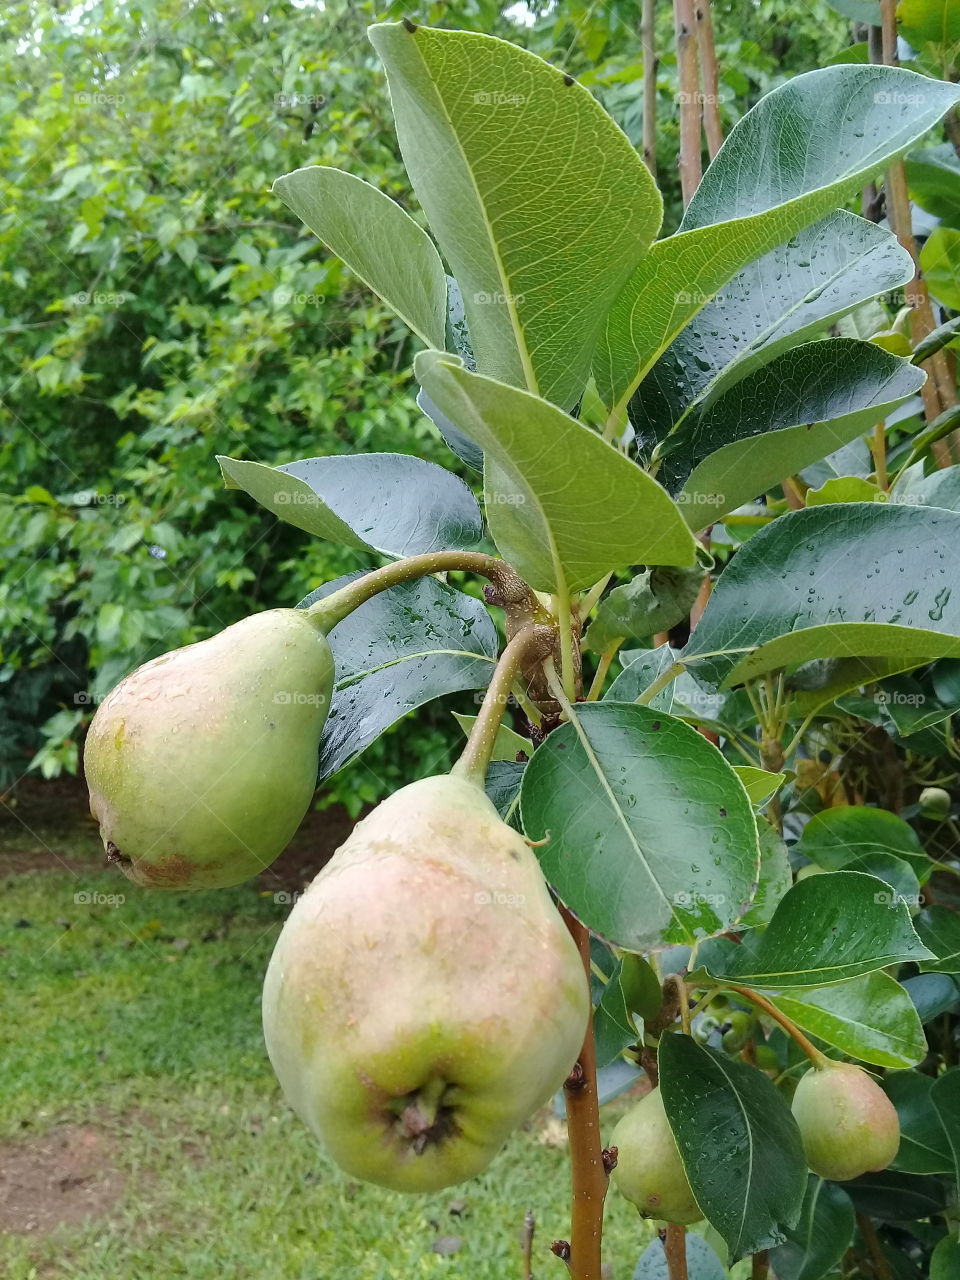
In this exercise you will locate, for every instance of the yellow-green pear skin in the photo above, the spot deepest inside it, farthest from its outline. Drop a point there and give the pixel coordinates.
(848, 1124)
(649, 1172)
(424, 997)
(202, 763)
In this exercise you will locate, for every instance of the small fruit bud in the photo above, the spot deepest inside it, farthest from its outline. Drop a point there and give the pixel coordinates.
(935, 803)
(649, 1171)
(848, 1124)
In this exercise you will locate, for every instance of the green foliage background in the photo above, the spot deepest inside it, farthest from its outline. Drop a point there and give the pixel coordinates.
(158, 306)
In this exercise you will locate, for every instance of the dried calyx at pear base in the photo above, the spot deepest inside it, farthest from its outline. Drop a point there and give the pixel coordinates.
(424, 997)
(848, 1124)
(203, 762)
(649, 1171)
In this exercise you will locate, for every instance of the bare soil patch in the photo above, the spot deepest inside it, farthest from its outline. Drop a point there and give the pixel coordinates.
(62, 1177)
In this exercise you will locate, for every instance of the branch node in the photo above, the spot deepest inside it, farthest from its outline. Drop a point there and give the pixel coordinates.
(562, 1250)
(609, 1157)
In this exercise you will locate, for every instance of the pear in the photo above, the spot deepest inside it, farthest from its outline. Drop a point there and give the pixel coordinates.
(848, 1124)
(203, 762)
(424, 997)
(649, 1171)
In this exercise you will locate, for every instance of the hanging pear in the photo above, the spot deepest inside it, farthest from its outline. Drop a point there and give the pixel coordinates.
(649, 1171)
(848, 1124)
(424, 997)
(203, 762)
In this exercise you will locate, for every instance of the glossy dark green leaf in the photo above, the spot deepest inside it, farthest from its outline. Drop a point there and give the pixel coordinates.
(924, 1146)
(860, 579)
(400, 649)
(653, 601)
(453, 437)
(896, 1197)
(613, 1025)
(377, 240)
(802, 406)
(503, 787)
(826, 929)
(939, 927)
(822, 1236)
(945, 1096)
(738, 1141)
(652, 836)
(847, 836)
(540, 250)
(945, 1259)
(784, 298)
(386, 502)
(933, 175)
(871, 1018)
(790, 161)
(932, 994)
(702, 1261)
(542, 465)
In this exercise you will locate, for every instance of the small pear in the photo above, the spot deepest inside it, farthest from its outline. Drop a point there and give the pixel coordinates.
(848, 1124)
(649, 1171)
(203, 762)
(935, 803)
(424, 997)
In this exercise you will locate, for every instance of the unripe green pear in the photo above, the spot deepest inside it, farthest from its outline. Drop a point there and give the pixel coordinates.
(424, 997)
(649, 1171)
(737, 1030)
(935, 803)
(203, 762)
(640, 985)
(848, 1124)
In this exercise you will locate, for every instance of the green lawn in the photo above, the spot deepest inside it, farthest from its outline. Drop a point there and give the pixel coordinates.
(141, 1021)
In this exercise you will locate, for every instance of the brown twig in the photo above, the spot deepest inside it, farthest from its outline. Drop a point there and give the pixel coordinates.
(589, 1176)
(938, 392)
(881, 1268)
(529, 1225)
(685, 23)
(675, 1248)
(760, 1267)
(651, 65)
(710, 74)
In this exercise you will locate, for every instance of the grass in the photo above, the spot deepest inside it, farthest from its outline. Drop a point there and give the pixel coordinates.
(141, 1017)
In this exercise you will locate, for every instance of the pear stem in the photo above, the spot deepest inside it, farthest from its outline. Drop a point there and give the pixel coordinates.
(510, 587)
(531, 643)
(818, 1059)
(588, 1172)
(675, 1249)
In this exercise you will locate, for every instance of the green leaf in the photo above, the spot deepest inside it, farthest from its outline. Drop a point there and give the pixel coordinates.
(784, 298)
(738, 1141)
(945, 1259)
(945, 1096)
(564, 506)
(939, 927)
(939, 489)
(505, 745)
(759, 784)
(387, 502)
(924, 1147)
(377, 240)
(935, 22)
(652, 836)
(653, 601)
(871, 1018)
(685, 697)
(540, 205)
(848, 834)
(613, 1024)
(844, 489)
(933, 175)
(776, 874)
(790, 161)
(399, 650)
(802, 406)
(503, 787)
(853, 580)
(825, 930)
(896, 1197)
(940, 264)
(932, 994)
(822, 1236)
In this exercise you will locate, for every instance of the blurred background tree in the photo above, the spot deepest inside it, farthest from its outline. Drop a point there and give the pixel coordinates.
(159, 306)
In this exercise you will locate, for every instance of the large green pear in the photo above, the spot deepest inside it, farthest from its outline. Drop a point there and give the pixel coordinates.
(649, 1171)
(203, 762)
(424, 997)
(848, 1124)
